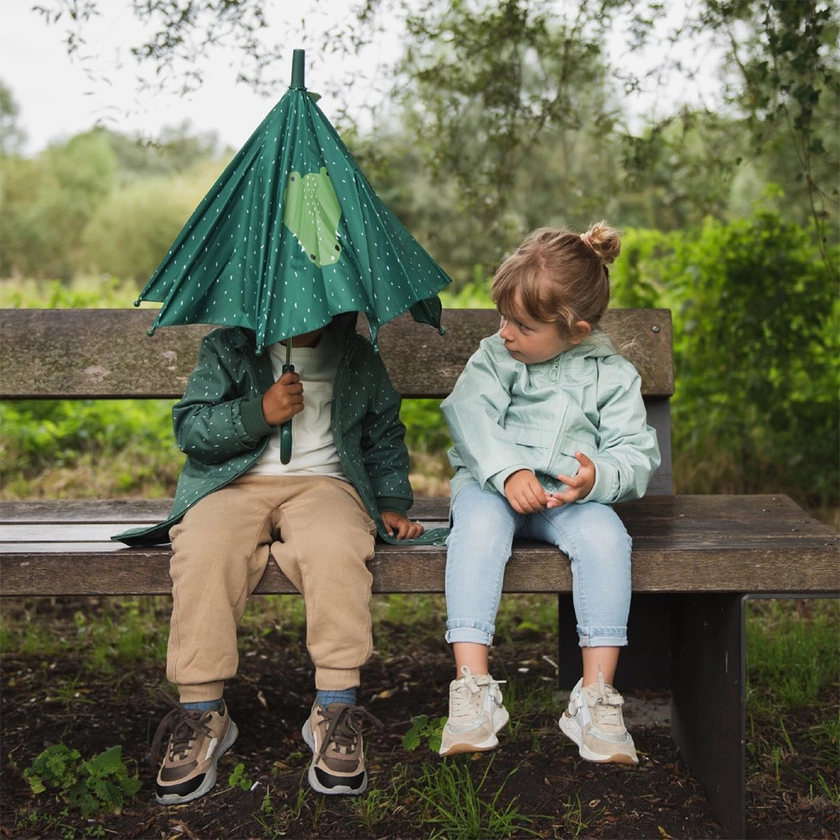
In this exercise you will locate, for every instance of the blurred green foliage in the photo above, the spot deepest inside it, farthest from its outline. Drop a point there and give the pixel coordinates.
(101, 202)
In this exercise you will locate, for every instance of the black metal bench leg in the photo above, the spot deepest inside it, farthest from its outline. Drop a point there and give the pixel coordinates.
(708, 699)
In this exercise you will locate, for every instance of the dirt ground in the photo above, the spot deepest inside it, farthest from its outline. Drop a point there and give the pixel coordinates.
(52, 701)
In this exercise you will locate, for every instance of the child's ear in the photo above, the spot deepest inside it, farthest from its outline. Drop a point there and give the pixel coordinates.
(583, 329)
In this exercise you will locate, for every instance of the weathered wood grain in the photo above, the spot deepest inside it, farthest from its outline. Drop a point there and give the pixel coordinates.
(681, 544)
(107, 353)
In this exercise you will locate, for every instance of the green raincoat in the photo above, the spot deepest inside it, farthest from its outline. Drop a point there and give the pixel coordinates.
(220, 426)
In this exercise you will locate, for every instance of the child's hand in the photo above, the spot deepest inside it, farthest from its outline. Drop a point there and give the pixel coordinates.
(525, 493)
(400, 526)
(283, 399)
(579, 487)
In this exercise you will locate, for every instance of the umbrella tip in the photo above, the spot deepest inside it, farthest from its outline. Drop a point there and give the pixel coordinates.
(137, 302)
(298, 68)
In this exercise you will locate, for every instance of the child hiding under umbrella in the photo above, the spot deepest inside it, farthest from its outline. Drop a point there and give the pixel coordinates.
(238, 506)
(549, 432)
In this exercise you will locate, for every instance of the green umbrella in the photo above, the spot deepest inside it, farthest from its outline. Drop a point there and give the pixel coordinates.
(292, 234)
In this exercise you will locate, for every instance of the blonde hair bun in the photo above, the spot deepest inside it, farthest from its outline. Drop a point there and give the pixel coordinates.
(604, 241)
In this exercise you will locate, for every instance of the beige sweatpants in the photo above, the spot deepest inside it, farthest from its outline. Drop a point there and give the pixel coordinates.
(318, 531)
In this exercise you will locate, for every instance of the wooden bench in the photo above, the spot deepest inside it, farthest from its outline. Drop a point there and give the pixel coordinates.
(696, 559)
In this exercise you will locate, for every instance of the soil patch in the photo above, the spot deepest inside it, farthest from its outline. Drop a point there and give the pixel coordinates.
(535, 774)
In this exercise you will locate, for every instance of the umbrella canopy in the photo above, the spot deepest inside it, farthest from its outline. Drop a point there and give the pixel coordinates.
(292, 234)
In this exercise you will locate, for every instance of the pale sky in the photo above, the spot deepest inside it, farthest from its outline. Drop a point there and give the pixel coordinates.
(58, 99)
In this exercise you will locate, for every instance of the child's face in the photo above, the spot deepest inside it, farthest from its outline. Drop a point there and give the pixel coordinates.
(530, 341)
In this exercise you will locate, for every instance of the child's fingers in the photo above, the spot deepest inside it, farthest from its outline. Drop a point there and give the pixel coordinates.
(401, 527)
(531, 502)
(408, 530)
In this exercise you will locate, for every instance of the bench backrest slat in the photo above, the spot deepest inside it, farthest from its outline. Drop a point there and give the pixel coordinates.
(108, 354)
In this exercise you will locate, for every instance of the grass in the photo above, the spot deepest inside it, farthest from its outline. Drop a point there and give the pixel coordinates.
(454, 808)
(792, 644)
(134, 630)
(792, 657)
(117, 633)
(792, 734)
(793, 674)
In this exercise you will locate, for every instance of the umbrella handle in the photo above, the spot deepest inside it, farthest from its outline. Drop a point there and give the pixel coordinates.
(286, 431)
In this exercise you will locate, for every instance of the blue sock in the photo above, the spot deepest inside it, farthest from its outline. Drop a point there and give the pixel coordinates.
(204, 706)
(346, 696)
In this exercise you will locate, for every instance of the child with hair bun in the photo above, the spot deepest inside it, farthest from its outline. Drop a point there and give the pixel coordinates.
(549, 432)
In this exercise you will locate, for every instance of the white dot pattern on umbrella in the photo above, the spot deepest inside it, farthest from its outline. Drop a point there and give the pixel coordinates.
(380, 269)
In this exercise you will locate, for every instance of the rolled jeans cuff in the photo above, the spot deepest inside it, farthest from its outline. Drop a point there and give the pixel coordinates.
(602, 636)
(469, 631)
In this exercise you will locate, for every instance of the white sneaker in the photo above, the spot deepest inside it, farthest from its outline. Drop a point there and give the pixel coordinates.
(595, 723)
(476, 714)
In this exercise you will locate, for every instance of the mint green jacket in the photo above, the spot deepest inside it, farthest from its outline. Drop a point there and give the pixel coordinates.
(220, 427)
(506, 416)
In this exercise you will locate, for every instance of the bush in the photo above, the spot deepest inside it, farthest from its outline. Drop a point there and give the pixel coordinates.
(756, 348)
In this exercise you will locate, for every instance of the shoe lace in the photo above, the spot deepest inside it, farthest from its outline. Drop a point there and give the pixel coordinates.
(183, 725)
(607, 708)
(344, 726)
(465, 700)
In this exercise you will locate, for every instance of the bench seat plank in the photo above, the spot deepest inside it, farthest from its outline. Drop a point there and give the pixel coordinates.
(136, 512)
(682, 544)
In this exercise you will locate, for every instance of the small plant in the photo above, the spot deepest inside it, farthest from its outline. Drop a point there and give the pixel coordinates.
(573, 815)
(424, 727)
(377, 805)
(267, 818)
(99, 784)
(239, 778)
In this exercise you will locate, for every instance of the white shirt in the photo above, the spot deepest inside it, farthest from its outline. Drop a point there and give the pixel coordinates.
(313, 447)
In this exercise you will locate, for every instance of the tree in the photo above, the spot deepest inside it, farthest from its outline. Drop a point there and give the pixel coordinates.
(488, 85)
(12, 135)
(48, 202)
(176, 151)
(787, 63)
(136, 224)
(505, 74)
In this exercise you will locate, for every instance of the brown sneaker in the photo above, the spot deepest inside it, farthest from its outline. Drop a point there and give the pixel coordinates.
(197, 740)
(334, 736)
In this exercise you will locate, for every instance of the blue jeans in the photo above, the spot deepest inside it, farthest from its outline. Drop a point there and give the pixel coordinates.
(479, 546)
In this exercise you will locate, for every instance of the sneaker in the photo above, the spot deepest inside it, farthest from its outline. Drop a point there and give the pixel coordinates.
(476, 714)
(595, 723)
(196, 742)
(334, 736)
